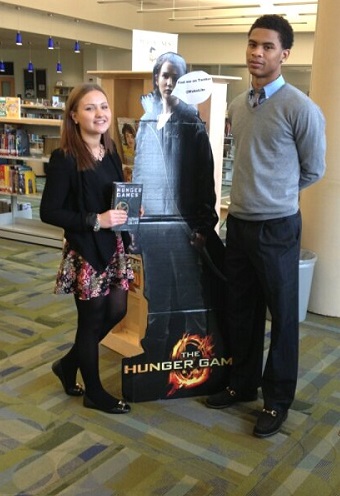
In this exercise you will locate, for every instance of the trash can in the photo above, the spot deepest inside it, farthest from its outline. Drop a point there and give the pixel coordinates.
(306, 270)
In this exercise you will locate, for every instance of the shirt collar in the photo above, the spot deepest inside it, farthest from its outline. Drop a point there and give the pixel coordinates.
(272, 87)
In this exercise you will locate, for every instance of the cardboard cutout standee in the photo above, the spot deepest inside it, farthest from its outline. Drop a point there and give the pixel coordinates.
(184, 354)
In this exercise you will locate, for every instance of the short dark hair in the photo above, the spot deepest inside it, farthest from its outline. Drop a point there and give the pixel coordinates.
(276, 23)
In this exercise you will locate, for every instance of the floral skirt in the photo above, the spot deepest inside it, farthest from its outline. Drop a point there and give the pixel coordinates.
(76, 276)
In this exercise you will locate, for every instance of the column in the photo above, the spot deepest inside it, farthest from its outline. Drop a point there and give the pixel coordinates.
(320, 204)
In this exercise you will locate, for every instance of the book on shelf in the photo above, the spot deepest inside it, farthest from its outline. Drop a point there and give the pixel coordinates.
(3, 111)
(16, 178)
(127, 196)
(14, 141)
(13, 107)
(5, 178)
(127, 127)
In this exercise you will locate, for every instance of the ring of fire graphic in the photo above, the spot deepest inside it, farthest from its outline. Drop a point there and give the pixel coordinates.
(191, 349)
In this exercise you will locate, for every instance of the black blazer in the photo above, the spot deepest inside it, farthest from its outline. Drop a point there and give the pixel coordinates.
(69, 196)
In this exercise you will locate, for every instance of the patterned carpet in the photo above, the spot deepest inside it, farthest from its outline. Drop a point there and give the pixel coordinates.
(51, 445)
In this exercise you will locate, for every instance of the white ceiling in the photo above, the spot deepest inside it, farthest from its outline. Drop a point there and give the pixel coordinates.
(206, 16)
(180, 16)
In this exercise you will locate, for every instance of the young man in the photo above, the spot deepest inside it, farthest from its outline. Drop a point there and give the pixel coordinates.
(280, 149)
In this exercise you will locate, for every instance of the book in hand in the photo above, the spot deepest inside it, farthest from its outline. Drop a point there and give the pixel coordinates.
(127, 196)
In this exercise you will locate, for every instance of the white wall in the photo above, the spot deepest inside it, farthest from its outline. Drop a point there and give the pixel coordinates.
(226, 53)
(230, 49)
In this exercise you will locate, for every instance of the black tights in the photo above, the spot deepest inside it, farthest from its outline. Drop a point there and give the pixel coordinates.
(96, 317)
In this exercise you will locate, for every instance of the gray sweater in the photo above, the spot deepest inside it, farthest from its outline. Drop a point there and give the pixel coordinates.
(279, 150)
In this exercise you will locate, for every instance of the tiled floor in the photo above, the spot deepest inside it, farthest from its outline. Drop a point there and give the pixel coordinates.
(51, 445)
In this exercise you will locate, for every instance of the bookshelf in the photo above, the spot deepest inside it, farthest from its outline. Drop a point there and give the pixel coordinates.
(124, 89)
(62, 92)
(19, 224)
(41, 112)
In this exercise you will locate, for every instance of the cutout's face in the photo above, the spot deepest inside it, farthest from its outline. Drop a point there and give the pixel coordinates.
(166, 80)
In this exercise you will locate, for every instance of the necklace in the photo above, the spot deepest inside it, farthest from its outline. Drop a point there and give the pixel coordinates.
(98, 156)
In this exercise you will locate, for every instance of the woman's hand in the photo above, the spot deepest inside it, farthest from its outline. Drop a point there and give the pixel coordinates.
(112, 218)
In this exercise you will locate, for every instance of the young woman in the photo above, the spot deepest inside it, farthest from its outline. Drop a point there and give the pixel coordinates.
(94, 266)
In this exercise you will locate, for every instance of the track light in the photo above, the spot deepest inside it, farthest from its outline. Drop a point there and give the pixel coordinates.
(77, 47)
(50, 43)
(18, 39)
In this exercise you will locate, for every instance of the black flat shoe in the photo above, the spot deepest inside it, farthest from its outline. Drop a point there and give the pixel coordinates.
(269, 423)
(76, 390)
(120, 407)
(229, 397)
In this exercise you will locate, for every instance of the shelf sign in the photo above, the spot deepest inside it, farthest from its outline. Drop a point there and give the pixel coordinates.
(147, 46)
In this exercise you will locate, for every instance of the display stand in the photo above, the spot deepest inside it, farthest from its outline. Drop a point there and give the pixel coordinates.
(124, 90)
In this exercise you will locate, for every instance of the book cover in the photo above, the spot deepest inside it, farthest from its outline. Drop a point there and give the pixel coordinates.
(127, 127)
(127, 196)
(27, 182)
(5, 179)
(13, 107)
(3, 112)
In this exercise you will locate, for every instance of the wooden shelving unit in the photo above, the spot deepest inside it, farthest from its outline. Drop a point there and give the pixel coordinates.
(29, 111)
(23, 121)
(62, 92)
(18, 224)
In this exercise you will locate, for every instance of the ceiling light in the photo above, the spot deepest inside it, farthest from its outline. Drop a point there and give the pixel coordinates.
(50, 43)
(77, 47)
(187, 9)
(30, 67)
(213, 18)
(235, 24)
(288, 4)
(18, 39)
(2, 65)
